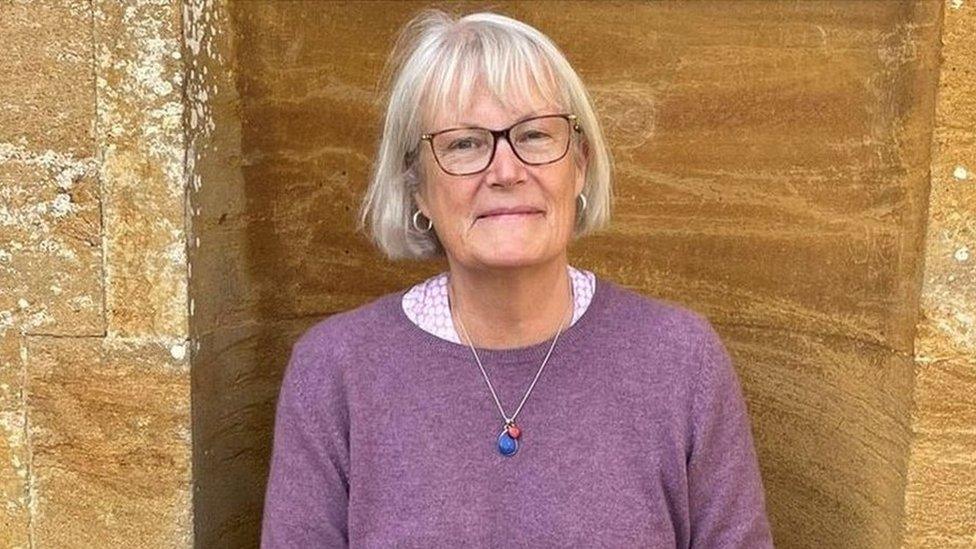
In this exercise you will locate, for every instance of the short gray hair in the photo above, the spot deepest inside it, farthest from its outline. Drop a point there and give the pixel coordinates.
(509, 55)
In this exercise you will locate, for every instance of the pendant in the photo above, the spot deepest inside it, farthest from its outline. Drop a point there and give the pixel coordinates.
(508, 439)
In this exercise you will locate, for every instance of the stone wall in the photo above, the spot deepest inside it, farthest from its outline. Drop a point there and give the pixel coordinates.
(940, 494)
(94, 364)
(179, 182)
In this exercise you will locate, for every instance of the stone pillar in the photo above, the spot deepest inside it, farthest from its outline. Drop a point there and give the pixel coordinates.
(94, 362)
(940, 508)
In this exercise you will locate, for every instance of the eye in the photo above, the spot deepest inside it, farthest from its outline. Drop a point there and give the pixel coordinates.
(464, 144)
(534, 135)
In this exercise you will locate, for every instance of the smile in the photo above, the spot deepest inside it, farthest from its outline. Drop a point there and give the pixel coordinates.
(516, 216)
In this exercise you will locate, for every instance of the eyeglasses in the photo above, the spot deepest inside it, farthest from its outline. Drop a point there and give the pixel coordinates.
(536, 141)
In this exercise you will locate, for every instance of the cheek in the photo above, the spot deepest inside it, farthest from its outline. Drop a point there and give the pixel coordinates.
(452, 207)
(451, 203)
(456, 196)
(567, 188)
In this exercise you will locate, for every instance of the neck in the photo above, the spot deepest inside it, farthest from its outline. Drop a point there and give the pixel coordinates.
(508, 308)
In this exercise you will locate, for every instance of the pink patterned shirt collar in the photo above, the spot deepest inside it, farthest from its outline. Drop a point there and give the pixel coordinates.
(426, 303)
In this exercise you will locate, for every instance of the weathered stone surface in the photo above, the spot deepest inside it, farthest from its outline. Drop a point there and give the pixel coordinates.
(941, 492)
(47, 92)
(233, 320)
(96, 438)
(109, 429)
(235, 393)
(138, 60)
(14, 447)
(50, 244)
(830, 418)
(50, 249)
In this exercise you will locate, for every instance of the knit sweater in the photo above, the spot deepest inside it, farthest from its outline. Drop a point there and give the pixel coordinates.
(635, 435)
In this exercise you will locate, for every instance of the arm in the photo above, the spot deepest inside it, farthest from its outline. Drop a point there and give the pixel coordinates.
(726, 500)
(307, 491)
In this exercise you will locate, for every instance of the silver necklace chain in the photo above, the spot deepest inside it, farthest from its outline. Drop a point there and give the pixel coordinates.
(510, 420)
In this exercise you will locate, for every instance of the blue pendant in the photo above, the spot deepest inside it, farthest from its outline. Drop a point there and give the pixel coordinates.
(506, 444)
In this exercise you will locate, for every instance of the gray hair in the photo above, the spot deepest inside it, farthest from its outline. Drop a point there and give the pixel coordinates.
(436, 58)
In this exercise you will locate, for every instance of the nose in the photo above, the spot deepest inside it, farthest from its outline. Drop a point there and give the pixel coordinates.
(506, 168)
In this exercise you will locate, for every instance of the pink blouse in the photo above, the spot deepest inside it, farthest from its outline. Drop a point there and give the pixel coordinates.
(426, 303)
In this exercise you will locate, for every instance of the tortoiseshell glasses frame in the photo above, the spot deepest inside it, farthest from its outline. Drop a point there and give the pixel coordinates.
(557, 152)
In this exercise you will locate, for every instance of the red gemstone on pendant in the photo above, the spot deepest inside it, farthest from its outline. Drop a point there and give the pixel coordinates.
(514, 431)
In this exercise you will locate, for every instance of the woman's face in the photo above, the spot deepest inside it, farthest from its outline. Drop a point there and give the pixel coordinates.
(456, 204)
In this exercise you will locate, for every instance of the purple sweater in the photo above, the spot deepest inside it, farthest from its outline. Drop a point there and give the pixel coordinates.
(635, 435)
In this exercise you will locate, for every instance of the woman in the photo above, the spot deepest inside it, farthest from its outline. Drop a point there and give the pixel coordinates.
(513, 399)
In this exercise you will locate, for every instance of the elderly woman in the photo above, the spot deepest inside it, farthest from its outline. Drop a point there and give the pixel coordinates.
(512, 400)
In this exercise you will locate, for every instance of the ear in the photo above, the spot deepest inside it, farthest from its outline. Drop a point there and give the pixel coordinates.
(415, 177)
(582, 161)
(418, 197)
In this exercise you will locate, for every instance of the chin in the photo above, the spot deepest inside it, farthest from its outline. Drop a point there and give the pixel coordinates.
(510, 262)
(512, 256)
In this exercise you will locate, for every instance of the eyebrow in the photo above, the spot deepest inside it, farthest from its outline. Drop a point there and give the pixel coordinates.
(543, 112)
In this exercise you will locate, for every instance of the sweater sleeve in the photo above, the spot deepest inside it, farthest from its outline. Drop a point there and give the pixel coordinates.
(307, 491)
(726, 500)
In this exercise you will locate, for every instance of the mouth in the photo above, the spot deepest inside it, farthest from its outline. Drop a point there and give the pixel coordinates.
(508, 216)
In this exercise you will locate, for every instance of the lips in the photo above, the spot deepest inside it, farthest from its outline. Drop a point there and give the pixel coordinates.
(496, 212)
(510, 215)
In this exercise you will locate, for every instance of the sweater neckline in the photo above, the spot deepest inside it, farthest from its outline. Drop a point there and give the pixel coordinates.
(529, 353)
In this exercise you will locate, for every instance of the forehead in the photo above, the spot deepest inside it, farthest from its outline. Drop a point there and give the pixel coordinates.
(474, 95)
(483, 108)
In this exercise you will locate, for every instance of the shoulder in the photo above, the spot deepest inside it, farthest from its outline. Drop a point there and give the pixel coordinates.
(344, 327)
(322, 350)
(654, 318)
(666, 343)
(685, 339)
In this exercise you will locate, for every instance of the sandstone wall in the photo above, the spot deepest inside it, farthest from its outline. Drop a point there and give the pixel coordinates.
(94, 364)
(179, 182)
(941, 489)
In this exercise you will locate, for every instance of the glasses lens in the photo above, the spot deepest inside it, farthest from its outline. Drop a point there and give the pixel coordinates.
(541, 140)
(463, 151)
(468, 150)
